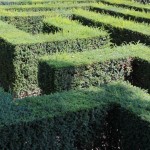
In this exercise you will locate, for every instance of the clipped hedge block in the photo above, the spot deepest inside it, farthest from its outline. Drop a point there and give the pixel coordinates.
(31, 24)
(141, 74)
(79, 119)
(47, 7)
(24, 51)
(64, 71)
(120, 12)
(143, 1)
(120, 30)
(52, 79)
(22, 75)
(32, 2)
(128, 4)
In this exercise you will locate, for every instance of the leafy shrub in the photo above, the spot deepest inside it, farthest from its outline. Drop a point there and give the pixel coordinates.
(79, 119)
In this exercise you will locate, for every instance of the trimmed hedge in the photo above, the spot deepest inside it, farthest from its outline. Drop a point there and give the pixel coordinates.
(143, 1)
(31, 2)
(31, 24)
(121, 30)
(141, 74)
(81, 70)
(53, 79)
(21, 2)
(128, 4)
(121, 12)
(20, 53)
(78, 119)
(47, 7)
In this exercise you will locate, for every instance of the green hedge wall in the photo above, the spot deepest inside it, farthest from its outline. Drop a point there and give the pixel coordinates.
(133, 129)
(52, 79)
(3, 2)
(6, 65)
(141, 74)
(119, 12)
(64, 71)
(128, 4)
(23, 52)
(22, 76)
(81, 119)
(118, 32)
(143, 1)
(48, 7)
(32, 2)
(75, 130)
(31, 24)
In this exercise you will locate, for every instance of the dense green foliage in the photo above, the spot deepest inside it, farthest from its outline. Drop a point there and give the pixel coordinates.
(119, 28)
(23, 2)
(128, 4)
(81, 70)
(77, 119)
(80, 52)
(46, 7)
(129, 14)
(23, 51)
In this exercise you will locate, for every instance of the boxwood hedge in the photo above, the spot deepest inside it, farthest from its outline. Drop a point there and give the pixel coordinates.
(31, 2)
(20, 53)
(128, 14)
(46, 7)
(128, 4)
(81, 70)
(81, 119)
(121, 30)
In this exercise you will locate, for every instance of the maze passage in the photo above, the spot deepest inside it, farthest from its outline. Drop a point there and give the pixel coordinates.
(25, 48)
(129, 14)
(74, 75)
(42, 28)
(128, 4)
(121, 30)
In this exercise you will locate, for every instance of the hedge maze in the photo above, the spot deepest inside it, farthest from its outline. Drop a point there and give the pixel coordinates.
(75, 75)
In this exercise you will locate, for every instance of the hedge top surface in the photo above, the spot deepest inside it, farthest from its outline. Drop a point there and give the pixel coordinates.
(89, 57)
(66, 24)
(59, 104)
(125, 11)
(6, 13)
(117, 22)
(27, 2)
(33, 1)
(15, 36)
(128, 2)
(57, 5)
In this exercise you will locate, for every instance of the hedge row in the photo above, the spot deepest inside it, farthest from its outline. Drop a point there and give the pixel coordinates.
(121, 12)
(82, 32)
(107, 117)
(53, 79)
(121, 30)
(31, 2)
(81, 70)
(20, 53)
(31, 22)
(143, 1)
(46, 7)
(141, 74)
(128, 4)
